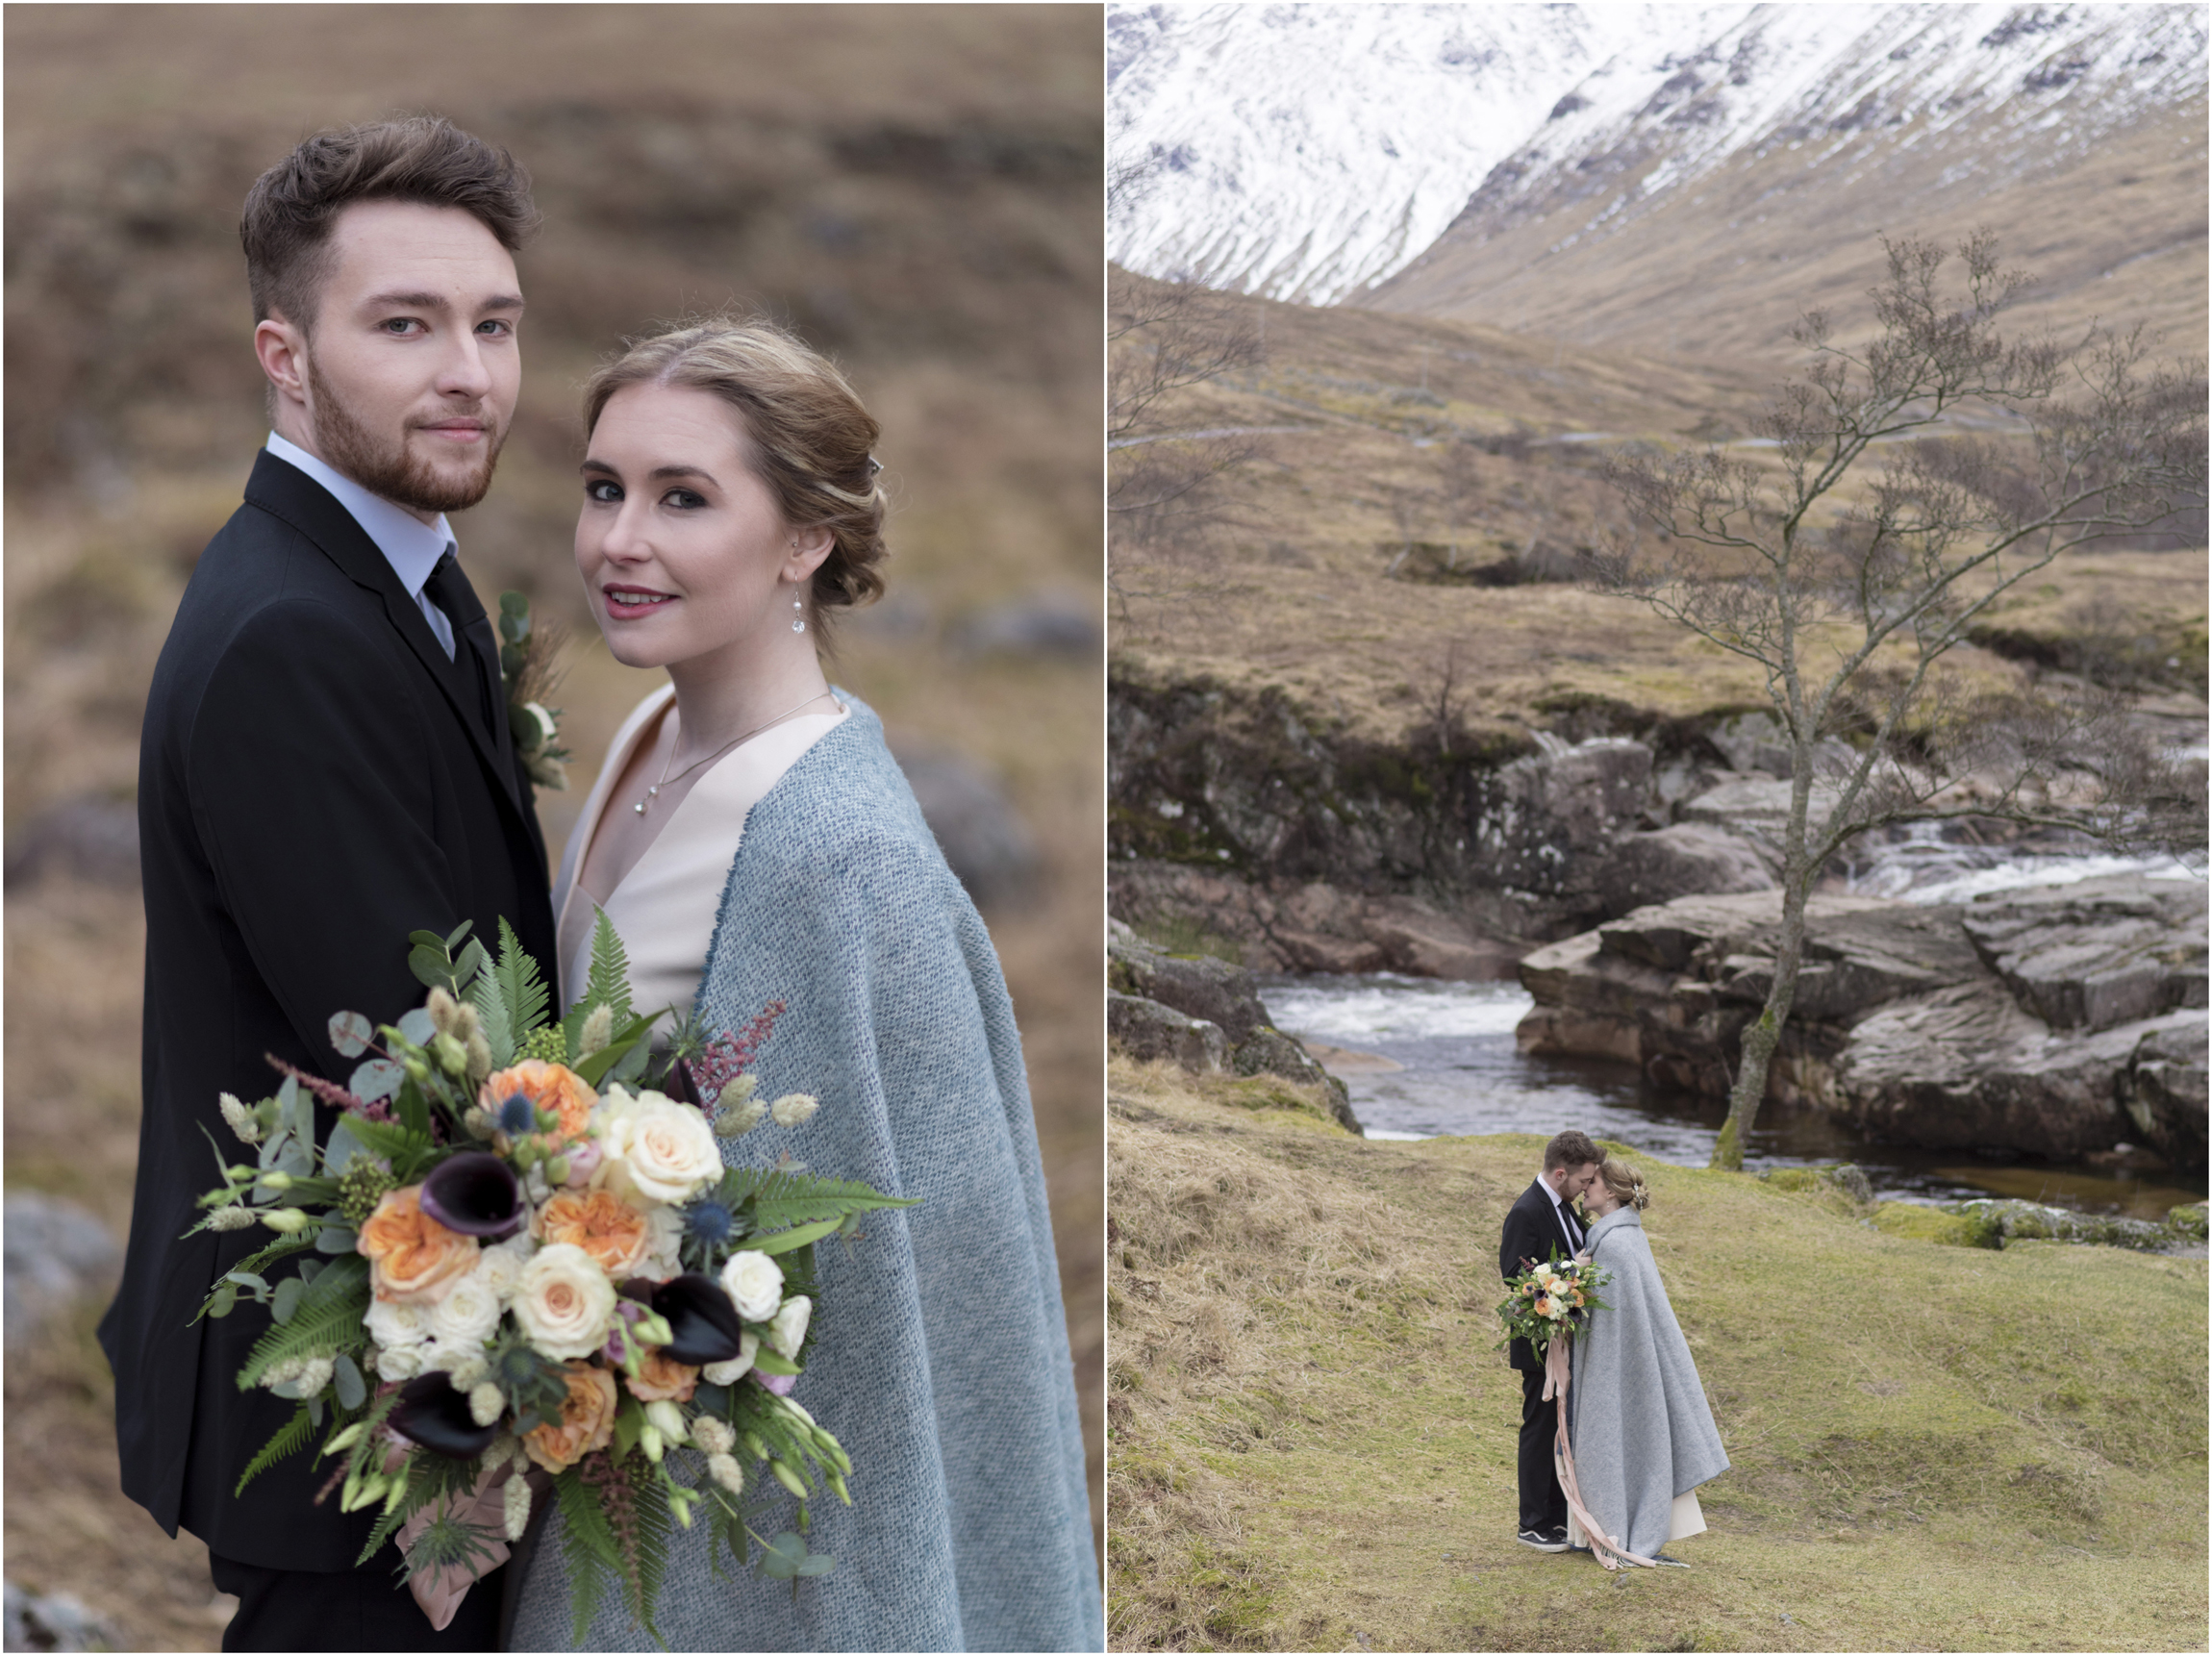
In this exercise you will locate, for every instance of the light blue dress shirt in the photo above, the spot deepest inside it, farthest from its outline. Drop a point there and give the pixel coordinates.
(409, 545)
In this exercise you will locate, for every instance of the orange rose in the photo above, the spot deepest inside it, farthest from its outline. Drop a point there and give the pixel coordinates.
(661, 1376)
(553, 1087)
(612, 1232)
(587, 1420)
(413, 1260)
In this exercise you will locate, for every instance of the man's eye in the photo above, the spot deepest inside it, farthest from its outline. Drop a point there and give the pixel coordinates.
(495, 327)
(401, 325)
(603, 492)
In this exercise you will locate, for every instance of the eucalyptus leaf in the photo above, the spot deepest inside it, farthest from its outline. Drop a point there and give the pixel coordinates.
(345, 1376)
(469, 963)
(311, 1268)
(426, 939)
(225, 1301)
(297, 1157)
(378, 1078)
(246, 1279)
(340, 1148)
(433, 968)
(816, 1564)
(335, 1239)
(349, 1034)
(453, 941)
(416, 1026)
(286, 1300)
(314, 1413)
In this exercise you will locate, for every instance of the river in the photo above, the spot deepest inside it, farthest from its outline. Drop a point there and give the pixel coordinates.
(1425, 1058)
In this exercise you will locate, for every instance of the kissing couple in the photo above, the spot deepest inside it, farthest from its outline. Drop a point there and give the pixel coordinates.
(1639, 1436)
(331, 761)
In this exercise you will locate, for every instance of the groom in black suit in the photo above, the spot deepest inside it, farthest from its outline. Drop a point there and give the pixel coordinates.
(325, 766)
(1542, 1222)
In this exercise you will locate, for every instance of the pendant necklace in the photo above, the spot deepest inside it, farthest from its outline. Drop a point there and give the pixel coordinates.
(654, 792)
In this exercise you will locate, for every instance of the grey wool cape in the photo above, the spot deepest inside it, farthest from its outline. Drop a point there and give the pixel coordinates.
(1636, 1417)
(941, 1358)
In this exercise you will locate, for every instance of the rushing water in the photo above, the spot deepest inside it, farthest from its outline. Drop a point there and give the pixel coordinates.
(1425, 1058)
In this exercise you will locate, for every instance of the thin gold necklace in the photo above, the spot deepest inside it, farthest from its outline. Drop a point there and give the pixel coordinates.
(654, 792)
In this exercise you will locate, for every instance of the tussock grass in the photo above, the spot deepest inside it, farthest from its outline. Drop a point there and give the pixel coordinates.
(1311, 1436)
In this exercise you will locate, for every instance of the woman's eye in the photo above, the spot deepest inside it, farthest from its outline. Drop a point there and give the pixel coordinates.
(685, 500)
(603, 492)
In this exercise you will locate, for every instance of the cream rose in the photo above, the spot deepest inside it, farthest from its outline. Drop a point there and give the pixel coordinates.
(790, 1328)
(734, 1369)
(501, 1267)
(564, 1301)
(399, 1362)
(395, 1322)
(754, 1283)
(661, 1149)
(467, 1313)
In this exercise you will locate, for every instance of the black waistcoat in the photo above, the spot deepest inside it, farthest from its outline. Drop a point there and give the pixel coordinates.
(315, 782)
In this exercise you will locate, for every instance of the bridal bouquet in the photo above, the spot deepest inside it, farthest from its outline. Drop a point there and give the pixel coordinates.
(523, 1268)
(1546, 1301)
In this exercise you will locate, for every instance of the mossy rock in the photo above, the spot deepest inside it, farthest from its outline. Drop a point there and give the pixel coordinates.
(2188, 1221)
(1281, 1102)
(1932, 1224)
(2032, 1221)
(1838, 1178)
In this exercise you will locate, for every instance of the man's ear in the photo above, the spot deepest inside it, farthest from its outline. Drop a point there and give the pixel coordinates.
(281, 347)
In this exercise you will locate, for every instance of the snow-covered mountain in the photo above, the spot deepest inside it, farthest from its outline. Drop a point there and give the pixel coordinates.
(1313, 151)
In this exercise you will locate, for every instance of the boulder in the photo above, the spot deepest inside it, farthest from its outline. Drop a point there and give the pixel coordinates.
(1152, 1032)
(2096, 953)
(1690, 858)
(1271, 1052)
(1921, 1024)
(56, 1253)
(1197, 986)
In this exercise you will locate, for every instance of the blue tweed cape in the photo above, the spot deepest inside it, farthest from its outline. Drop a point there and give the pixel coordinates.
(1636, 1409)
(942, 1358)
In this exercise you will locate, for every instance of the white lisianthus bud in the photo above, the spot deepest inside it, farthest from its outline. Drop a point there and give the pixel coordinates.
(724, 1470)
(737, 1123)
(230, 1219)
(792, 1406)
(547, 729)
(597, 1031)
(669, 1419)
(240, 1119)
(291, 1221)
(486, 1404)
(649, 1441)
(789, 1330)
(518, 1514)
(754, 1283)
(276, 1179)
(451, 1054)
(792, 1108)
(711, 1433)
(732, 1370)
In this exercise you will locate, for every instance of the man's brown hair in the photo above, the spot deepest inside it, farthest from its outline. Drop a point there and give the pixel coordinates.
(1572, 1148)
(422, 159)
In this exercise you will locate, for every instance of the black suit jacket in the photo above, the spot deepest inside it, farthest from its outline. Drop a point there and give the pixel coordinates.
(1531, 1234)
(316, 781)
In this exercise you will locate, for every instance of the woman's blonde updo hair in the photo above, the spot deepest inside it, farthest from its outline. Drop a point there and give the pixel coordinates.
(811, 441)
(1625, 1183)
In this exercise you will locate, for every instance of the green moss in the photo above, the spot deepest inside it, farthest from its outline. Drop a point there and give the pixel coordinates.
(1923, 1223)
(2188, 1221)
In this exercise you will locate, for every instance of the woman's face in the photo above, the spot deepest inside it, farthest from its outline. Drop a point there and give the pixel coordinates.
(1598, 1201)
(683, 550)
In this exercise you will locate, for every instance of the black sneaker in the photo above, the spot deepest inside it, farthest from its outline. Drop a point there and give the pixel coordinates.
(1553, 1540)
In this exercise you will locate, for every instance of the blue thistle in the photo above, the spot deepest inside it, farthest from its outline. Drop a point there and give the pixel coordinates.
(708, 1221)
(517, 1116)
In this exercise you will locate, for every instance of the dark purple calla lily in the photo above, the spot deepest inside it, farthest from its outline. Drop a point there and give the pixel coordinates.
(431, 1413)
(701, 1317)
(475, 1193)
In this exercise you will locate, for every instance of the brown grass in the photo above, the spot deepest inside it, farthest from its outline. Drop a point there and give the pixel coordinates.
(916, 190)
(1312, 1436)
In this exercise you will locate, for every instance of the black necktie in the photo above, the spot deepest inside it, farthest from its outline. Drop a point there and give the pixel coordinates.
(474, 651)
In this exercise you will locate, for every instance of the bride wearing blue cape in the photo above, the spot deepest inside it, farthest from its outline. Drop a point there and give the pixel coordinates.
(752, 841)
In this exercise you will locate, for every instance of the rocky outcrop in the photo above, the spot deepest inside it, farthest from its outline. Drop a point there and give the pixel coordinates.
(1205, 1015)
(2053, 1021)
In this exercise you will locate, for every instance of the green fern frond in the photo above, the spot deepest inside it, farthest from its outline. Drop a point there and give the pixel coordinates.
(449, 1543)
(258, 1262)
(782, 1200)
(655, 1528)
(608, 983)
(290, 1438)
(328, 1319)
(589, 1551)
(491, 1016)
(520, 989)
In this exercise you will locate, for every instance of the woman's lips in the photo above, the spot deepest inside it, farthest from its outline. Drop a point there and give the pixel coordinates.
(626, 603)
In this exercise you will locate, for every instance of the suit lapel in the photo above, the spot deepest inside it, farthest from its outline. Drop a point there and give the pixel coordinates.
(289, 493)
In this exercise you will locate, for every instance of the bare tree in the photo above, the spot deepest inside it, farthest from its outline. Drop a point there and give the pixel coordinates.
(1165, 486)
(1849, 591)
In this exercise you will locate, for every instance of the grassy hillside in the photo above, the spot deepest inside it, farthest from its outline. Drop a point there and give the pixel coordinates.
(1398, 456)
(1311, 1438)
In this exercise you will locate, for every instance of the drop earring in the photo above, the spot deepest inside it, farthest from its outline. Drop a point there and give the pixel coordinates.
(798, 620)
